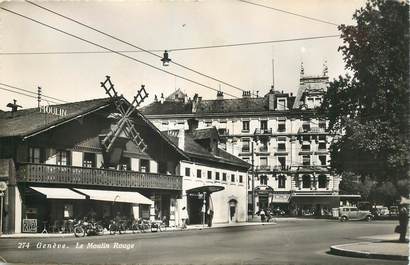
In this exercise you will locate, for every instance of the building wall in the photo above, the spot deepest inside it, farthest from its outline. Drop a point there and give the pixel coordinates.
(232, 190)
(294, 141)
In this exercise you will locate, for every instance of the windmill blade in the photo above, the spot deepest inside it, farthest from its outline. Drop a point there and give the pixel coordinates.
(112, 93)
(138, 99)
(135, 137)
(110, 138)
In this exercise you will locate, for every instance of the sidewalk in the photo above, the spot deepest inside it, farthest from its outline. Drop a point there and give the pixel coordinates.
(374, 247)
(168, 229)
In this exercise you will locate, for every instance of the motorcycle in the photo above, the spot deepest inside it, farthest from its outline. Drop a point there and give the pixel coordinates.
(144, 225)
(116, 226)
(82, 228)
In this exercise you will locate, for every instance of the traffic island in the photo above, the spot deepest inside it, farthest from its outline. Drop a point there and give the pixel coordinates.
(384, 249)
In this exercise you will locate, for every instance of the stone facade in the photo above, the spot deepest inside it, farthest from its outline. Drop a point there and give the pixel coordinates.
(280, 134)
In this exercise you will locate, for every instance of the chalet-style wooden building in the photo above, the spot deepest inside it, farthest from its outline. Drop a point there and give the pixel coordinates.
(56, 168)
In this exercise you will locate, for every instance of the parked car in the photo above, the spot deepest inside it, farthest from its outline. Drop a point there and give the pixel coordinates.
(394, 211)
(380, 210)
(353, 213)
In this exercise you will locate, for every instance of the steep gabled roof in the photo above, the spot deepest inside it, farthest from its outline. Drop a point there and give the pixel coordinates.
(206, 133)
(194, 150)
(233, 105)
(167, 107)
(28, 121)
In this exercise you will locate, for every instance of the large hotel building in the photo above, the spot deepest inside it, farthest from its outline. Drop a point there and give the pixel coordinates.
(278, 133)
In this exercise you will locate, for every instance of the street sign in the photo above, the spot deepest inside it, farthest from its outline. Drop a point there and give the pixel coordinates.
(3, 186)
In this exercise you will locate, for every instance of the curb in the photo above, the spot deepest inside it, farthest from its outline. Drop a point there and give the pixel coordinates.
(340, 251)
(71, 235)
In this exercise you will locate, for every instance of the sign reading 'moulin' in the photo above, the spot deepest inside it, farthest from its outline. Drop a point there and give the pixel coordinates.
(53, 110)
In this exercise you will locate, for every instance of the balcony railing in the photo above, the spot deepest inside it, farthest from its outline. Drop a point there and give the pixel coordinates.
(263, 168)
(53, 174)
(223, 132)
(263, 131)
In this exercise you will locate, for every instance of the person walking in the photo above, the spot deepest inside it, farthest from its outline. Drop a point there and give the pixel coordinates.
(403, 221)
(184, 217)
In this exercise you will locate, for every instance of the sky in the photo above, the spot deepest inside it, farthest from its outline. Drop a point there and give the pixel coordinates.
(161, 25)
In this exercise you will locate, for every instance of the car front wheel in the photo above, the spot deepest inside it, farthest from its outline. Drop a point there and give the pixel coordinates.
(343, 219)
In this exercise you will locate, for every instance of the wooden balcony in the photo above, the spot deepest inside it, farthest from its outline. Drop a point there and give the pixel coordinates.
(54, 174)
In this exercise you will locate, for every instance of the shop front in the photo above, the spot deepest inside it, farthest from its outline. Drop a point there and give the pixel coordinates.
(314, 204)
(53, 209)
(279, 204)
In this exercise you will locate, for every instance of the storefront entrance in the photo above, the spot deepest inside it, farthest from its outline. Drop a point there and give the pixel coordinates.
(233, 211)
(198, 202)
(263, 201)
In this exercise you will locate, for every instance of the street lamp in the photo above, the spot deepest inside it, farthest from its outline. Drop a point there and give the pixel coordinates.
(165, 59)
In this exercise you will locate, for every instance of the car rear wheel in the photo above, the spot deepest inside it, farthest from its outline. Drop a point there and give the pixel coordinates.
(343, 219)
(368, 218)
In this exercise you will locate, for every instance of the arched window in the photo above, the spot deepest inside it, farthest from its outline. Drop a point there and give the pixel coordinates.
(306, 183)
(281, 181)
(264, 180)
(322, 181)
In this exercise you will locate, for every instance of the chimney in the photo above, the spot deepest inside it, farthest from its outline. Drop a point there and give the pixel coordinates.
(246, 94)
(195, 102)
(162, 99)
(181, 139)
(220, 95)
(13, 107)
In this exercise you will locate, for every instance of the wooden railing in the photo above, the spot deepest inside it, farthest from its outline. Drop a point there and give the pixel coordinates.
(54, 174)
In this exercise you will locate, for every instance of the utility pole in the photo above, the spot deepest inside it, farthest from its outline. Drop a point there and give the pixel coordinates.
(38, 96)
(203, 209)
(253, 183)
(273, 73)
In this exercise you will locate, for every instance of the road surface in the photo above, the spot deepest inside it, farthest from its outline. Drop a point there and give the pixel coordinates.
(288, 242)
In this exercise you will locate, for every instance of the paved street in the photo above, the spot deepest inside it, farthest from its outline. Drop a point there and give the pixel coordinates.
(288, 242)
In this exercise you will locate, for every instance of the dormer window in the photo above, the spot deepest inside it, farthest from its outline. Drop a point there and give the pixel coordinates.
(281, 104)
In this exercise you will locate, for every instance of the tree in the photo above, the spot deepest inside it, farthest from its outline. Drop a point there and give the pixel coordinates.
(353, 184)
(368, 108)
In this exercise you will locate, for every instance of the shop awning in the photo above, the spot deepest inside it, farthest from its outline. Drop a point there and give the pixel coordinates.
(280, 198)
(116, 196)
(208, 189)
(59, 193)
(325, 195)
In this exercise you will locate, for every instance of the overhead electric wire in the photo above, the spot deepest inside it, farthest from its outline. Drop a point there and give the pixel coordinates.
(291, 13)
(24, 94)
(32, 92)
(133, 45)
(176, 49)
(113, 51)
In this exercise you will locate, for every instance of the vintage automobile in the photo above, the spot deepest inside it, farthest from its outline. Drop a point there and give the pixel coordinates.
(394, 211)
(353, 213)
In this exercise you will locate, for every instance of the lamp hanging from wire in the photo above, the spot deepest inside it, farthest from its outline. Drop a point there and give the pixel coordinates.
(165, 59)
